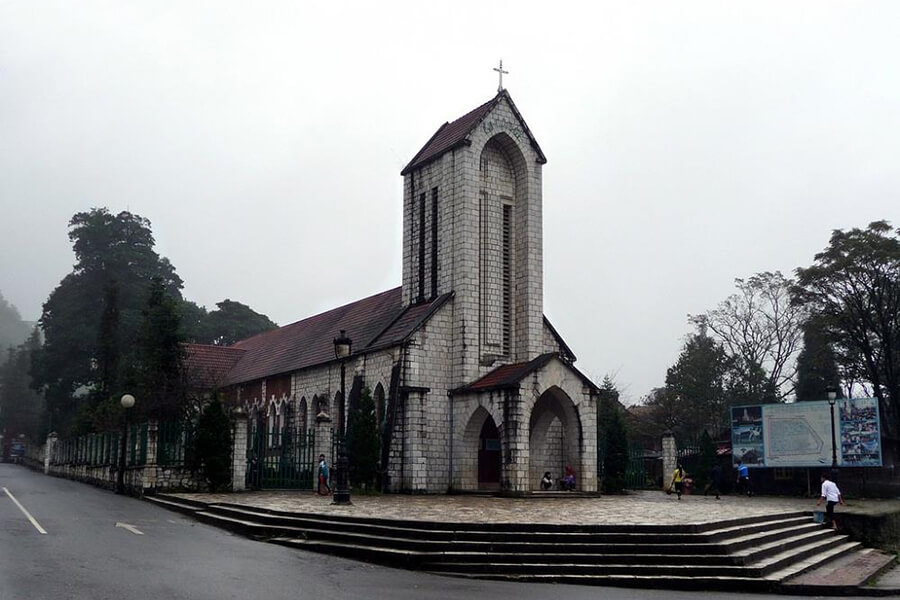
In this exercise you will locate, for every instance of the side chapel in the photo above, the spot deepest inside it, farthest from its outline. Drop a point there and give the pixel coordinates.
(474, 388)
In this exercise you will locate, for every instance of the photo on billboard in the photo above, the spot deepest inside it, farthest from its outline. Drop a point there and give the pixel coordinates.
(747, 436)
(860, 432)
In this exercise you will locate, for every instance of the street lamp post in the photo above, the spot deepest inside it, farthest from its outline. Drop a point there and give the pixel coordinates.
(832, 396)
(127, 402)
(342, 348)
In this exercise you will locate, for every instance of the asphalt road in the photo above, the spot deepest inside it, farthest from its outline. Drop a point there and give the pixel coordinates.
(84, 555)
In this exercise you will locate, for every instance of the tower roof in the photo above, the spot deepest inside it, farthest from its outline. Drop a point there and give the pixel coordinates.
(456, 133)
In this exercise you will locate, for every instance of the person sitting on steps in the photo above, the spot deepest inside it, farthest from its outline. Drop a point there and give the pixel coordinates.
(546, 481)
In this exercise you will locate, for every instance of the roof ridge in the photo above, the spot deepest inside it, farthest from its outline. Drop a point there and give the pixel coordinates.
(304, 319)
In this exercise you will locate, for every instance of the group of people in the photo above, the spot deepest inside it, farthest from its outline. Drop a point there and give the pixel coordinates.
(566, 482)
(830, 493)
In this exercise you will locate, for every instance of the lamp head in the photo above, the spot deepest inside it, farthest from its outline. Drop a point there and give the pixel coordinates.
(832, 395)
(127, 401)
(342, 345)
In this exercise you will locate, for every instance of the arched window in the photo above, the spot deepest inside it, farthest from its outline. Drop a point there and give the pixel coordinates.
(379, 405)
(302, 422)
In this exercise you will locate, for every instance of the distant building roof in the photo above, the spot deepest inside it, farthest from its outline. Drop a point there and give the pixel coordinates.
(208, 366)
(455, 134)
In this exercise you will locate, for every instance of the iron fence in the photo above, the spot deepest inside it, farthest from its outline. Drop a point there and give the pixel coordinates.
(174, 443)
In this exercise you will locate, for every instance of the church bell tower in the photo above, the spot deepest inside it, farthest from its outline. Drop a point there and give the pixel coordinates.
(472, 226)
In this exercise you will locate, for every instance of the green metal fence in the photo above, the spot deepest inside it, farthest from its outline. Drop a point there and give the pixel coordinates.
(95, 449)
(175, 441)
(280, 458)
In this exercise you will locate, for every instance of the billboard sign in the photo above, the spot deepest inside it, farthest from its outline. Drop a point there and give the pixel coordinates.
(799, 434)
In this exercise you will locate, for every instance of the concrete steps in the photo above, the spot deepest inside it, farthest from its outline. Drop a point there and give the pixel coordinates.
(746, 554)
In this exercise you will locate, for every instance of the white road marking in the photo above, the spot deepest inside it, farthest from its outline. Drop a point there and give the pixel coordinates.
(34, 522)
(130, 528)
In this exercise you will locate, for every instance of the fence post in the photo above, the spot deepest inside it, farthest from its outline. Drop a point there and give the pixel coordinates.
(239, 451)
(49, 451)
(149, 469)
(669, 456)
(322, 445)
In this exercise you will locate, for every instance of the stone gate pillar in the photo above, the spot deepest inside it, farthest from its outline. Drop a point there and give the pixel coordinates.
(49, 451)
(241, 430)
(670, 458)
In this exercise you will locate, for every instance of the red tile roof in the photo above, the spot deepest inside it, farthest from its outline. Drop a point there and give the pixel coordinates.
(455, 134)
(376, 321)
(207, 366)
(509, 376)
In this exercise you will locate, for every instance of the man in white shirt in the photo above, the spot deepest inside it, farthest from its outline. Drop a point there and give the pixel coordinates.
(831, 495)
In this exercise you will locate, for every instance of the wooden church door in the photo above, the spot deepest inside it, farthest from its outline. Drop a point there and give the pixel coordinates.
(489, 457)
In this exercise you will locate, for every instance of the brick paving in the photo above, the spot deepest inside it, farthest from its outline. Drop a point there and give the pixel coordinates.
(635, 508)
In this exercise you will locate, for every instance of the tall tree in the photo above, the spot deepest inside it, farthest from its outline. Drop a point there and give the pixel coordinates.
(697, 385)
(759, 328)
(615, 443)
(212, 446)
(232, 322)
(20, 405)
(817, 367)
(13, 330)
(158, 360)
(108, 248)
(854, 285)
(363, 441)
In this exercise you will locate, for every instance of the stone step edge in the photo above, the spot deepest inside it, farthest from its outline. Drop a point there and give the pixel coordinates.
(664, 582)
(548, 527)
(863, 576)
(264, 529)
(325, 520)
(753, 553)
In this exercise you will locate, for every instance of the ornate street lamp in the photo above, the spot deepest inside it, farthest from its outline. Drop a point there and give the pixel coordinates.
(127, 402)
(342, 348)
(832, 396)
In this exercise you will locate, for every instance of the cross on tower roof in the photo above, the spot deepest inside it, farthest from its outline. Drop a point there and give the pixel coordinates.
(501, 72)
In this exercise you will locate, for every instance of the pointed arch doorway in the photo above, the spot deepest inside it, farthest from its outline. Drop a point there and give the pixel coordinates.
(489, 456)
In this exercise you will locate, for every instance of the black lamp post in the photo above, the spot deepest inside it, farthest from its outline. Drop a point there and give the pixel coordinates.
(127, 402)
(342, 349)
(832, 395)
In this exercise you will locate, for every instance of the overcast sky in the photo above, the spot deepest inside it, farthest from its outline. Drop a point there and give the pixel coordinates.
(688, 143)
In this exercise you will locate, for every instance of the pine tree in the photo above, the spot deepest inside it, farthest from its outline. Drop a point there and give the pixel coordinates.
(212, 446)
(363, 442)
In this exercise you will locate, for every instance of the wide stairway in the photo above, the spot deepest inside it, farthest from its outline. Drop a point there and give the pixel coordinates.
(746, 554)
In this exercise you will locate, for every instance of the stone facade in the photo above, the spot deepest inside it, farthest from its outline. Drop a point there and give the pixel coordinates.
(472, 255)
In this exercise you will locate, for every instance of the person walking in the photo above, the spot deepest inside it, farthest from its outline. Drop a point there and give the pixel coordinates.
(831, 495)
(678, 478)
(715, 481)
(743, 479)
(323, 477)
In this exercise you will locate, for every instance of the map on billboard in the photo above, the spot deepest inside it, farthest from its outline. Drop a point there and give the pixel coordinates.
(800, 434)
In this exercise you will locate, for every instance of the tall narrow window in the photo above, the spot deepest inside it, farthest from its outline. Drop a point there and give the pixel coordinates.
(421, 247)
(434, 242)
(507, 292)
(482, 268)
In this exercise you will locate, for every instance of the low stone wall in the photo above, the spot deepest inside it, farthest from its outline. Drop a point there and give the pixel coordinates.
(139, 481)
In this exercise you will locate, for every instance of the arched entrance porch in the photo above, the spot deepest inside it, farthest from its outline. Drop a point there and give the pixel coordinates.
(554, 437)
(482, 444)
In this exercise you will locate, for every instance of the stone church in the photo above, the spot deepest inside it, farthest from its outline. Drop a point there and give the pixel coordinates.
(474, 388)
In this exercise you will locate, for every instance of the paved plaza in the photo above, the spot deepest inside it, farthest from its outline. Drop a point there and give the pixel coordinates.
(634, 508)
